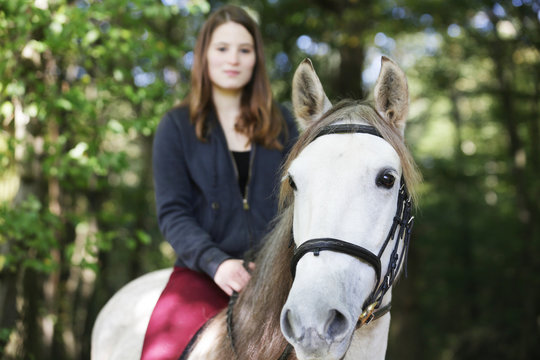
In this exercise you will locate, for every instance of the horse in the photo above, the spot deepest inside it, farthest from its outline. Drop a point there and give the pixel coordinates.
(323, 280)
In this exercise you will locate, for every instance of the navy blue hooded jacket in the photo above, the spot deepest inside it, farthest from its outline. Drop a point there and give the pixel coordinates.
(200, 209)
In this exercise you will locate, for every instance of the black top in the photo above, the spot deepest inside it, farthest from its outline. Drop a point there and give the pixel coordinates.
(241, 158)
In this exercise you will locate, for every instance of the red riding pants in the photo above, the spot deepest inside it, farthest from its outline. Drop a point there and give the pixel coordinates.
(187, 302)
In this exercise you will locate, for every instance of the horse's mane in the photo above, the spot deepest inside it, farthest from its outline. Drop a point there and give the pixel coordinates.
(256, 315)
(257, 321)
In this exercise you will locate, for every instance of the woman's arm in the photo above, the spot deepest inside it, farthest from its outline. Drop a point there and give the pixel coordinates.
(174, 192)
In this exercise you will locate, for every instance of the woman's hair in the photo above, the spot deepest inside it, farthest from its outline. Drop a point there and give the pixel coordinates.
(260, 118)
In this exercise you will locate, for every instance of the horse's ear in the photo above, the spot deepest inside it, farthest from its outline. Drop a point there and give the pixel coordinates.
(308, 97)
(392, 94)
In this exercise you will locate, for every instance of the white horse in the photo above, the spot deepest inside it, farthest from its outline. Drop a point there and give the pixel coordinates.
(322, 285)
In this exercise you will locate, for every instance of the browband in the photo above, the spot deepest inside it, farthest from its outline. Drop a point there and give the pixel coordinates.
(348, 129)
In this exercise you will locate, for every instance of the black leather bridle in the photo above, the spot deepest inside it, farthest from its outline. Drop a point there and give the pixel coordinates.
(399, 231)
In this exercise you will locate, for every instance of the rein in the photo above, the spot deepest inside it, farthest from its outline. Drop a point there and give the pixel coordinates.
(400, 231)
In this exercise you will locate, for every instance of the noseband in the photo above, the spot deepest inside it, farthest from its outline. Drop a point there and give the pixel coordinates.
(399, 231)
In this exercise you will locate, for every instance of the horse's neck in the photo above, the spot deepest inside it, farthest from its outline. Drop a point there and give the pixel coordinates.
(370, 341)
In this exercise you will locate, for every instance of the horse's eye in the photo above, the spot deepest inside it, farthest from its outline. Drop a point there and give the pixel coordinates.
(385, 179)
(291, 183)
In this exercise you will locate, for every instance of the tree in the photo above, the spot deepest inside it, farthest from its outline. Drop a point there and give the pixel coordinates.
(81, 93)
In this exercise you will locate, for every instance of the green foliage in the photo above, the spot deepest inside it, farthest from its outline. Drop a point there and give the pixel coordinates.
(83, 85)
(30, 231)
(470, 260)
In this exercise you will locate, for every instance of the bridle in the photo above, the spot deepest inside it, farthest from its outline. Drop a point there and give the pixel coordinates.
(400, 230)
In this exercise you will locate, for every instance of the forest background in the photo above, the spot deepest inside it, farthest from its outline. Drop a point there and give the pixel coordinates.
(83, 84)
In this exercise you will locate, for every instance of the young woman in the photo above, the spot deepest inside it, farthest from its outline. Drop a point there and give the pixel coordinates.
(216, 162)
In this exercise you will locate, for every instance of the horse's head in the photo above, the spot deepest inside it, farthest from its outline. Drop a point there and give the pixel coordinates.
(345, 173)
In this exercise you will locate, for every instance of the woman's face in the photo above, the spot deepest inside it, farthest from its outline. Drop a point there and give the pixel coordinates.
(231, 57)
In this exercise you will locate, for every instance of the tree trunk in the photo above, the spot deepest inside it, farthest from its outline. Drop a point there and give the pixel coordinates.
(534, 127)
(464, 206)
(8, 312)
(349, 79)
(33, 346)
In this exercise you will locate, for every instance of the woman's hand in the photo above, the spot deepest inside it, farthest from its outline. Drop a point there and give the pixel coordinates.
(232, 276)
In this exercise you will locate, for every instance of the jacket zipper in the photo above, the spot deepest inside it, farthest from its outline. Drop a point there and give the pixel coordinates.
(245, 198)
(246, 190)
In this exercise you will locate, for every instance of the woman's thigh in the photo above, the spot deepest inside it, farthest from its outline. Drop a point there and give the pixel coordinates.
(188, 301)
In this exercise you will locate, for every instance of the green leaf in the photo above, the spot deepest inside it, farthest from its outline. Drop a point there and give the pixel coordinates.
(64, 104)
(90, 37)
(143, 237)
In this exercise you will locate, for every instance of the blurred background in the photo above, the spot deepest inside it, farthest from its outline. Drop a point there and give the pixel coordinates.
(83, 84)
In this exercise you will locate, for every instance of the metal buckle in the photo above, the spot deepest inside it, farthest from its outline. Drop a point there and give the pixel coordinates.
(367, 315)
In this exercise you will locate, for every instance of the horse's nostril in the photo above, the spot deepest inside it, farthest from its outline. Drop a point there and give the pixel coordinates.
(286, 327)
(314, 326)
(337, 325)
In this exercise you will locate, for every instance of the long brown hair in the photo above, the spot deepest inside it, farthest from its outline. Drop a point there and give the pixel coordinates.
(260, 118)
